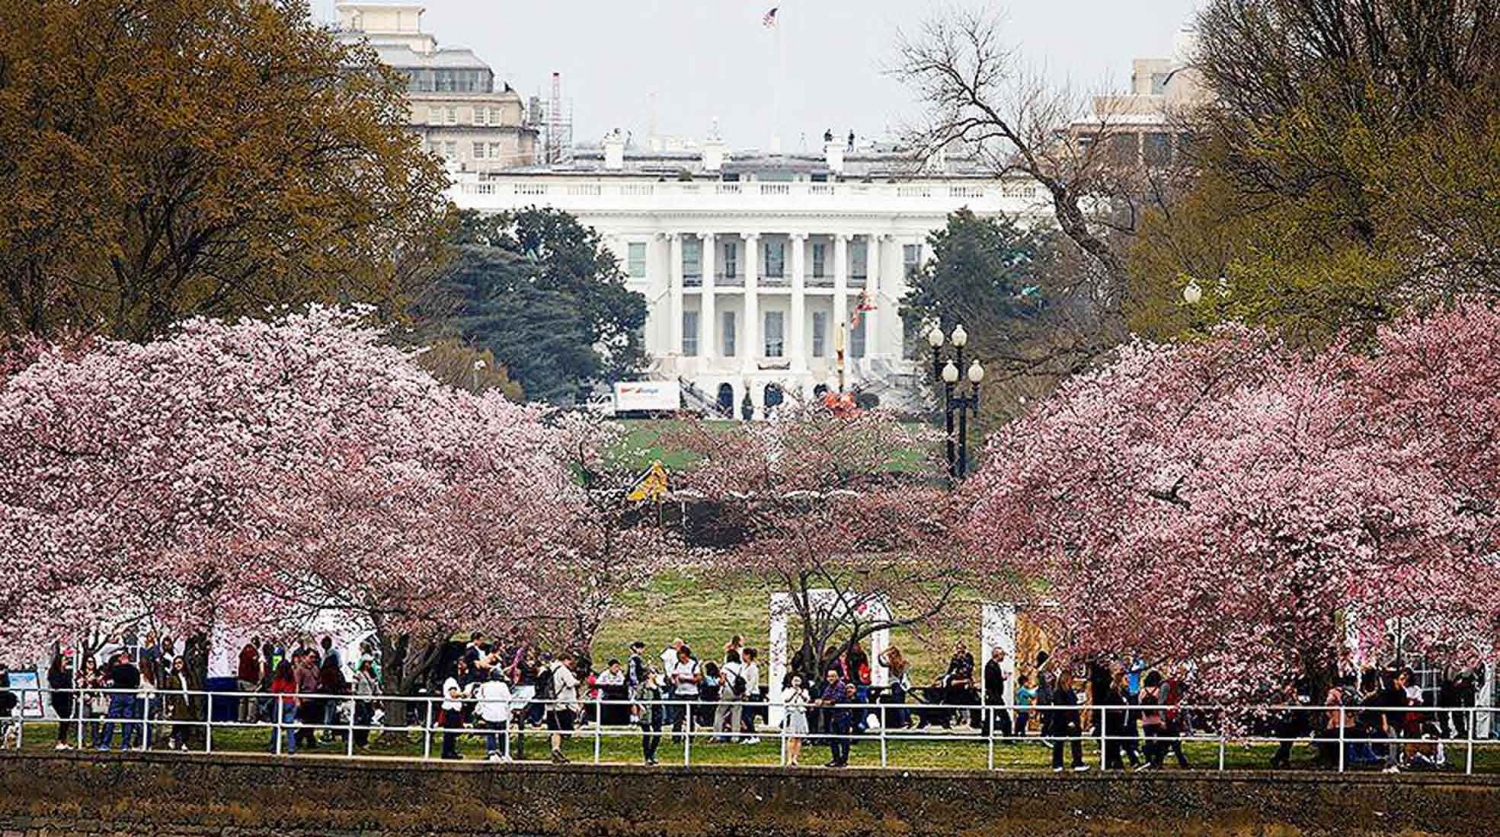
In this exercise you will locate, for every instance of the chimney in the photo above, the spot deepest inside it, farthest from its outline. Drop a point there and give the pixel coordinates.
(833, 152)
(614, 151)
(714, 154)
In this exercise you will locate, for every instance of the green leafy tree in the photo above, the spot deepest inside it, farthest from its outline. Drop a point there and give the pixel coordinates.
(1013, 289)
(541, 292)
(161, 159)
(1350, 167)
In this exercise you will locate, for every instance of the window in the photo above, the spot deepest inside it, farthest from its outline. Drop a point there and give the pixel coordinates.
(775, 259)
(452, 116)
(434, 147)
(911, 256)
(1158, 149)
(731, 252)
(820, 334)
(857, 263)
(635, 260)
(450, 150)
(857, 338)
(820, 259)
(495, 151)
(690, 333)
(479, 151)
(911, 338)
(726, 328)
(434, 116)
(774, 338)
(692, 258)
(1123, 148)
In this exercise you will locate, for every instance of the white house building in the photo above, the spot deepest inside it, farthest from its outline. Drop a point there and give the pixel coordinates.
(758, 268)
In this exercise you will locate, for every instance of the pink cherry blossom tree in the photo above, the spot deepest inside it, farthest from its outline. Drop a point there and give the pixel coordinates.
(257, 473)
(1229, 504)
(812, 500)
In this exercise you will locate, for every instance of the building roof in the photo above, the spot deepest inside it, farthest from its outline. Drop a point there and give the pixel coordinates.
(880, 162)
(403, 57)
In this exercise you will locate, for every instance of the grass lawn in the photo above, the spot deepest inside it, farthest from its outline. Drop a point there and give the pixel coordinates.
(622, 746)
(705, 611)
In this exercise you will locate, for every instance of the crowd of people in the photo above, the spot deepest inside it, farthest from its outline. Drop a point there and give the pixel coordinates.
(146, 693)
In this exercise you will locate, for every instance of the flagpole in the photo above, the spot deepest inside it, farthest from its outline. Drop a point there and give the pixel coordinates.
(776, 85)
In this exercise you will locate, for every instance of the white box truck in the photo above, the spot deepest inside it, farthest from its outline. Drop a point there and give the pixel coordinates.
(642, 398)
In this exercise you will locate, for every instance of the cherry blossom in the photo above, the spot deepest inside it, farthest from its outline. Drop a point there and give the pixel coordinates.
(1229, 505)
(258, 473)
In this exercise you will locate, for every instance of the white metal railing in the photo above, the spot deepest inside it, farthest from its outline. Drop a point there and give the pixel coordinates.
(140, 719)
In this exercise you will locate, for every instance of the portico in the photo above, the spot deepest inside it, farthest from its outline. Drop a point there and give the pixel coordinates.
(758, 272)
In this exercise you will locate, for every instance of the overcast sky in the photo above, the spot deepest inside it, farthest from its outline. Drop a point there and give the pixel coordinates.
(707, 59)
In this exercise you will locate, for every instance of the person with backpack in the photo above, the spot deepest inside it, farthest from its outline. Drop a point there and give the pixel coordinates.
(562, 712)
(635, 669)
(731, 698)
(650, 713)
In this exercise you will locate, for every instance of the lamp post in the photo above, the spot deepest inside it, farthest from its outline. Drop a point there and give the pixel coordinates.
(950, 372)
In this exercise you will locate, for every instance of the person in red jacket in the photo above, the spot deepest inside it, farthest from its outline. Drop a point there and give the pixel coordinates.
(248, 676)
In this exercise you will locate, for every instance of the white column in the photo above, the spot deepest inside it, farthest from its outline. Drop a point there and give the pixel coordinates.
(752, 348)
(872, 291)
(674, 293)
(798, 326)
(708, 347)
(841, 288)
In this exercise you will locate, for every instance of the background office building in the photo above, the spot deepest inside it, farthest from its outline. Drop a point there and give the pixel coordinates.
(455, 104)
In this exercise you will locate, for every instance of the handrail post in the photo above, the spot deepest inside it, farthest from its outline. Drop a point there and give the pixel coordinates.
(883, 719)
(1469, 757)
(598, 725)
(353, 711)
(990, 736)
(1103, 738)
(146, 723)
(427, 732)
(208, 722)
(687, 739)
(278, 715)
(1342, 745)
(1222, 743)
(78, 701)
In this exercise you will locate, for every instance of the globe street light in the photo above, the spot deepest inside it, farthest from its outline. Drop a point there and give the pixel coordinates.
(1191, 293)
(951, 372)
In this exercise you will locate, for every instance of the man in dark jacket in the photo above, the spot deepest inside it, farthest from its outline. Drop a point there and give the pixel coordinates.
(996, 716)
(124, 680)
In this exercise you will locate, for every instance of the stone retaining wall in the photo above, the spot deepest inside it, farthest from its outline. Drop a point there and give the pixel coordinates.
(248, 796)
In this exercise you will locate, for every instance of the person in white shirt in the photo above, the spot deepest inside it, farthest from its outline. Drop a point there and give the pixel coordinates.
(493, 709)
(563, 713)
(453, 709)
(795, 701)
(731, 698)
(669, 658)
(684, 677)
(751, 672)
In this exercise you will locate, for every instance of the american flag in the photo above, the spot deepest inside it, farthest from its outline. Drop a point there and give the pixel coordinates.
(769, 21)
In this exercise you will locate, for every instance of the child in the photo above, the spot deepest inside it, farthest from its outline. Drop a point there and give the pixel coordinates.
(1025, 697)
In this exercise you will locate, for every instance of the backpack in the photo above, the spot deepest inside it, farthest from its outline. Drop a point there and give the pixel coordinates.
(736, 683)
(544, 684)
